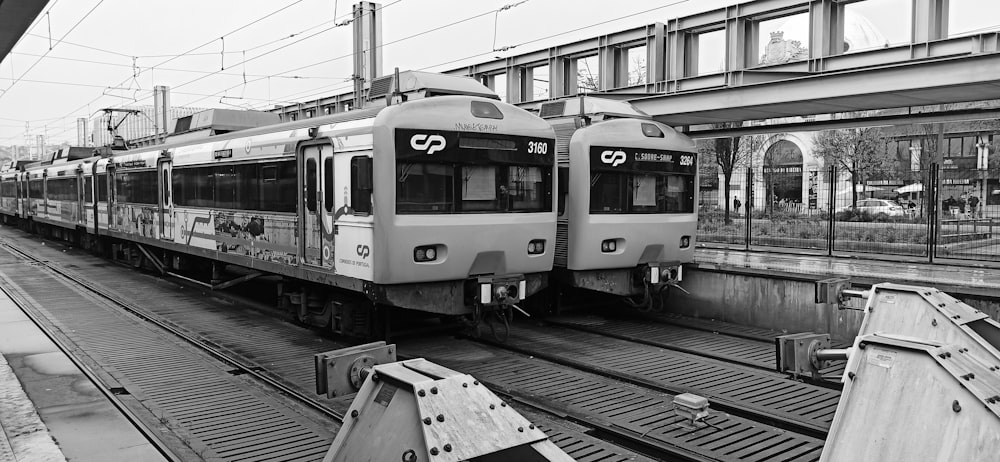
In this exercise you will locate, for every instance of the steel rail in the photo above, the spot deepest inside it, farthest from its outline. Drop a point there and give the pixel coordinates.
(249, 369)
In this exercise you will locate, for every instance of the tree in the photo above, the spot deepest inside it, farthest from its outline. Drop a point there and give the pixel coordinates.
(858, 151)
(730, 153)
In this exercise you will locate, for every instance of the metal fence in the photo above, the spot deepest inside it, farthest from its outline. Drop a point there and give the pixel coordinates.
(930, 214)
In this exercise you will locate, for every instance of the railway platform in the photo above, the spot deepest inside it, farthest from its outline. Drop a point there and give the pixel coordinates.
(49, 410)
(969, 280)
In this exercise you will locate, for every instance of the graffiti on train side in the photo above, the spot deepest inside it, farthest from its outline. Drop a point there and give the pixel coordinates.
(272, 239)
(136, 219)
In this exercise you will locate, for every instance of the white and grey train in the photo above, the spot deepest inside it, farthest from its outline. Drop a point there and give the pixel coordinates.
(443, 202)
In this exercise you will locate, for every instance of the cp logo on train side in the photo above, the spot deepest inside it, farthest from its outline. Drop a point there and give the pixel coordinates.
(429, 143)
(364, 251)
(615, 158)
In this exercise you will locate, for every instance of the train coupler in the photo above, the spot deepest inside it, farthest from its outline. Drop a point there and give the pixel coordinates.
(416, 410)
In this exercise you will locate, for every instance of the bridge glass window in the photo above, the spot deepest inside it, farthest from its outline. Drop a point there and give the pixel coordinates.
(783, 39)
(874, 24)
(537, 84)
(709, 48)
(588, 75)
(970, 17)
(499, 86)
(635, 66)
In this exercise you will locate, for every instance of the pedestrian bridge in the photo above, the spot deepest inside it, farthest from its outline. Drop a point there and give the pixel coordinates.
(770, 59)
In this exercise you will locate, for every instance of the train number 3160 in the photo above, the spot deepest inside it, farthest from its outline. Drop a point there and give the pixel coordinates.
(538, 147)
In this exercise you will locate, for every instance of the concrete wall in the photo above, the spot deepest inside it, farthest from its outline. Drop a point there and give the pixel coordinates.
(783, 301)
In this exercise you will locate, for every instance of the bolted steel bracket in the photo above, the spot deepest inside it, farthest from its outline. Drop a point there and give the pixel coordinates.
(341, 372)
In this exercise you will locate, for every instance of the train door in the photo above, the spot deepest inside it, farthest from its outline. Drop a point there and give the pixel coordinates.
(112, 222)
(81, 196)
(315, 248)
(163, 169)
(19, 200)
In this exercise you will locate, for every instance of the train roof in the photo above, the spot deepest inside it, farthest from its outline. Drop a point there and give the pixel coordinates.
(590, 106)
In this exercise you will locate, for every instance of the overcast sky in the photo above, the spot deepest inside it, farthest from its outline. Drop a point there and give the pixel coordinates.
(114, 51)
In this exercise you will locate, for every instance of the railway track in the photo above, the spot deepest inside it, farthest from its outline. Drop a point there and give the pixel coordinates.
(598, 397)
(244, 342)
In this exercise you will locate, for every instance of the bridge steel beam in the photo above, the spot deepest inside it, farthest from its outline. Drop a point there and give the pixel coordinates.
(962, 78)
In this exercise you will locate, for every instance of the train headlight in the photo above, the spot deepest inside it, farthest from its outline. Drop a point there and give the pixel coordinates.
(536, 246)
(424, 253)
(609, 245)
(685, 242)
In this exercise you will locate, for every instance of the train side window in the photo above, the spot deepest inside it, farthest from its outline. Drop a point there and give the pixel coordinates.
(361, 185)
(225, 187)
(102, 187)
(165, 191)
(88, 189)
(328, 184)
(311, 185)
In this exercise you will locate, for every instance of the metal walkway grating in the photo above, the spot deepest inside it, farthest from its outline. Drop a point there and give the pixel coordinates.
(645, 414)
(281, 348)
(187, 392)
(767, 393)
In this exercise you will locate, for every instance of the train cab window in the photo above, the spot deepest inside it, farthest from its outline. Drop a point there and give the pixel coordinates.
(641, 193)
(424, 188)
(328, 184)
(361, 185)
(311, 185)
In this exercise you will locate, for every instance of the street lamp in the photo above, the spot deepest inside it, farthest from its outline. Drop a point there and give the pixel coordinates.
(982, 162)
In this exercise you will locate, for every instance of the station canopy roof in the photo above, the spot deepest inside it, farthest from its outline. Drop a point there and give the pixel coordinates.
(15, 17)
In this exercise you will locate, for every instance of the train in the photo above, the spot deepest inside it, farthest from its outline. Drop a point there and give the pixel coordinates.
(439, 199)
(627, 213)
(441, 202)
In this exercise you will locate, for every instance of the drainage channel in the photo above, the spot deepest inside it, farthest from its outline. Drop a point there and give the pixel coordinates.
(769, 396)
(259, 341)
(704, 339)
(637, 414)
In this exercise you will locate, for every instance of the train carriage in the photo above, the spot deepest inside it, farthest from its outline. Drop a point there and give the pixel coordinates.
(627, 216)
(442, 203)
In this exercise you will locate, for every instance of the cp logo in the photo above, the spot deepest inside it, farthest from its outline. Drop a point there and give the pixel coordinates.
(429, 143)
(364, 251)
(615, 158)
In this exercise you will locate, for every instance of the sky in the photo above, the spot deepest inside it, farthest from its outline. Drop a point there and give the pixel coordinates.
(84, 55)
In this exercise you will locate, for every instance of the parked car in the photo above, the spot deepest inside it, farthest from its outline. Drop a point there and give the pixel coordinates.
(877, 206)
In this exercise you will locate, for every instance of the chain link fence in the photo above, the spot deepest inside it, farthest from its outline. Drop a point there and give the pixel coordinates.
(930, 214)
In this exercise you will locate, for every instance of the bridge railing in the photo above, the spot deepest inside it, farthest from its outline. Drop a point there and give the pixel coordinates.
(929, 214)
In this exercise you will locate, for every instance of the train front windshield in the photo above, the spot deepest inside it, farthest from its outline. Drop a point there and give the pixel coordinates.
(457, 172)
(626, 180)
